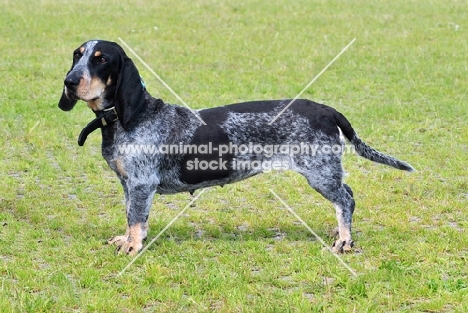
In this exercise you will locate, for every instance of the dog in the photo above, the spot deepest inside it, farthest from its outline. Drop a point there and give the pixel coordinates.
(224, 143)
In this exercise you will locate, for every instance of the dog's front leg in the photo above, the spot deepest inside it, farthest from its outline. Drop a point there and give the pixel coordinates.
(138, 198)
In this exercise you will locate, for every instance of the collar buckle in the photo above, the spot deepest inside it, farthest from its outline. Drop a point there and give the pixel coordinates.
(109, 115)
(113, 117)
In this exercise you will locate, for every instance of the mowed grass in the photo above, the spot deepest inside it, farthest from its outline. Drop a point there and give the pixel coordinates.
(402, 84)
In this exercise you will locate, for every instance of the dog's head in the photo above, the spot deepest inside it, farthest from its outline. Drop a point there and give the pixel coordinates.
(103, 76)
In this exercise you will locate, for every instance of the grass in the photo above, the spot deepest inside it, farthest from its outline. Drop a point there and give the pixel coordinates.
(402, 84)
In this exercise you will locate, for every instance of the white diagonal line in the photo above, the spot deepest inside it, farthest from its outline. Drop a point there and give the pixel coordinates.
(312, 81)
(162, 81)
(313, 233)
(161, 232)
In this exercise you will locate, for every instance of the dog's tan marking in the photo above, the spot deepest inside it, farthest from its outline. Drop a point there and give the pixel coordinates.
(96, 86)
(92, 89)
(120, 166)
(138, 232)
(97, 53)
(109, 81)
(92, 105)
(95, 105)
(82, 49)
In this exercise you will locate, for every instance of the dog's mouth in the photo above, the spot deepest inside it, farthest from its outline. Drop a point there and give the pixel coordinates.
(72, 95)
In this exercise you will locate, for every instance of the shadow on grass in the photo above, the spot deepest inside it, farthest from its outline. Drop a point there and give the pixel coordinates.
(214, 233)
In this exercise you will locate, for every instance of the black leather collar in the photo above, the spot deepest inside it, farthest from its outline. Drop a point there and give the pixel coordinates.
(103, 118)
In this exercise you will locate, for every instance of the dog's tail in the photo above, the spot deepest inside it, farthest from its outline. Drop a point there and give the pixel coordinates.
(366, 151)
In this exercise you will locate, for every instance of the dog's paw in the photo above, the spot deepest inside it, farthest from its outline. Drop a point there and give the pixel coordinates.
(124, 244)
(117, 240)
(342, 246)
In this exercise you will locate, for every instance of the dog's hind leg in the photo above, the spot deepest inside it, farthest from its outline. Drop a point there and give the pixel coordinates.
(344, 207)
(341, 195)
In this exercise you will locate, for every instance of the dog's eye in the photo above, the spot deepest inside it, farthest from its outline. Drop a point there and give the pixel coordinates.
(77, 55)
(102, 60)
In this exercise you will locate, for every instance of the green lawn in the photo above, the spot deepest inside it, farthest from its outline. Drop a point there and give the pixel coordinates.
(402, 84)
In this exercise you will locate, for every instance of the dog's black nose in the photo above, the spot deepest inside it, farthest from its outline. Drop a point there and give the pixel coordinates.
(71, 81)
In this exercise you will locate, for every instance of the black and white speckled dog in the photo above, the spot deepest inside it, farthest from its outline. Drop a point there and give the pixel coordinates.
(107, 80)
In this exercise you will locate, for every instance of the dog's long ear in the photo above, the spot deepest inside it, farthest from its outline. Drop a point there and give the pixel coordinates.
(129, 94)
(66, 103)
